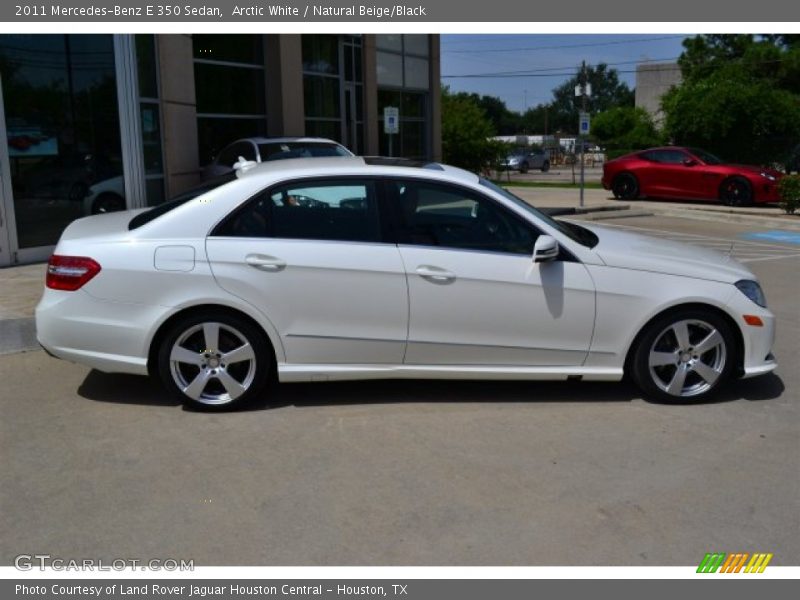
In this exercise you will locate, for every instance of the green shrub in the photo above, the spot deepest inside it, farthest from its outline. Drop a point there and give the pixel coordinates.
(789, 191)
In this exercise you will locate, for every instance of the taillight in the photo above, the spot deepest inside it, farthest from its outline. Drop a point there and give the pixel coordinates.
(70, 273)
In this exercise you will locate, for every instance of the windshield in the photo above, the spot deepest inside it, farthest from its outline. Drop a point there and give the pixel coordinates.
(282, 150)
(706, 157)
(574, 232)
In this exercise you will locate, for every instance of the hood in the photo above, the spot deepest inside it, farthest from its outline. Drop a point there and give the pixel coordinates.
(627, 250)
(756, 170)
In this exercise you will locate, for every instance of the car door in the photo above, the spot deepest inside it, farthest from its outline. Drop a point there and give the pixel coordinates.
(310, 255)
(475, 295)
(676, 174)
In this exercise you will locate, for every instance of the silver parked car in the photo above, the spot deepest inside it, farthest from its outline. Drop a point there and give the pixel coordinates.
(260, 149)
(523, 160)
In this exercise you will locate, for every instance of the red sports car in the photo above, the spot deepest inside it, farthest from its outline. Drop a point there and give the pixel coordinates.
(688, 174)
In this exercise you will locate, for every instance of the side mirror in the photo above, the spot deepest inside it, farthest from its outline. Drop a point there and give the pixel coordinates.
(545, 249)
(689, 162)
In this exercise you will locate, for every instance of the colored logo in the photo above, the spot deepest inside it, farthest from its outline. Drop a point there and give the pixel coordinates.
(734, 563)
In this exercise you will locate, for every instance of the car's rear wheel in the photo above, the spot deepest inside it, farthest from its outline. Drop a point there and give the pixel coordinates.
(545, 166)
(214, 361)
(684, 356)
(625, 186)
(736, 191)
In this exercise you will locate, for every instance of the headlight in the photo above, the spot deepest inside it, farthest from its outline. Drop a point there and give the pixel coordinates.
(768, 176)
(752, 290)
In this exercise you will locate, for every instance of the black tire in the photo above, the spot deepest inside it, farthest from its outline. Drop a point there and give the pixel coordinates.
(218, 385)
(108, 202)
(736, 191)
(625, 186)
(545, 166)
(523, 167)
(699, 371)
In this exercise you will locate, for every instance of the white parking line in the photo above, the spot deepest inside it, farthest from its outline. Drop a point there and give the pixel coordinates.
(743, 251)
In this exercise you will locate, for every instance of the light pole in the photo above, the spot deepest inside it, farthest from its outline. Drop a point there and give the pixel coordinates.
(584, 91)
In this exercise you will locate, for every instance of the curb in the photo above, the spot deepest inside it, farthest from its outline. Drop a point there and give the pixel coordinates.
(728, 217)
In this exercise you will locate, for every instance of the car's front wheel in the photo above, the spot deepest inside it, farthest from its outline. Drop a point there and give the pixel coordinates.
(736, 191)
(684, 356)
(215, 361)
(108, 202)
(523, 167)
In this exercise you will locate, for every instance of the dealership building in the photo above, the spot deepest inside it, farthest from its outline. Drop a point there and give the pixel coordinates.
(131, 120)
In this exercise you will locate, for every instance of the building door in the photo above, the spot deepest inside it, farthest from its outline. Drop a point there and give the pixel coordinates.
(350, 121)
(61, 135)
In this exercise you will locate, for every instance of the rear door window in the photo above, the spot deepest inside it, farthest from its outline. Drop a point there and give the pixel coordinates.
(335, 210)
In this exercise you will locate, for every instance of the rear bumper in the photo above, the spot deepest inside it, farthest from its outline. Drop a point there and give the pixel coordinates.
(77, 327)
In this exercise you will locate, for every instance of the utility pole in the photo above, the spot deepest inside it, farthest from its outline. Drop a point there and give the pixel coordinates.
(583, 109)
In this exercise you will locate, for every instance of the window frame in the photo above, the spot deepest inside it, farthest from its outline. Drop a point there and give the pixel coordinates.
(393, 209)
(371, 182)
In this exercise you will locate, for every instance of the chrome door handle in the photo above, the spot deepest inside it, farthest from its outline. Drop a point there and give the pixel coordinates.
(435, 274)
(263, 262)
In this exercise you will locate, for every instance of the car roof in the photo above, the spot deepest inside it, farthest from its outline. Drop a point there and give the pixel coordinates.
(353, 165)
(287, 140)
(663, 148)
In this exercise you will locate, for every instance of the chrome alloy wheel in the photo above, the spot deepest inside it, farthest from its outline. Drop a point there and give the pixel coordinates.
(212, 363)
(687, 358)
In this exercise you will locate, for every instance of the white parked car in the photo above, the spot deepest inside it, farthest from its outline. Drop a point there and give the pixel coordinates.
(261, 149)
(352, 268)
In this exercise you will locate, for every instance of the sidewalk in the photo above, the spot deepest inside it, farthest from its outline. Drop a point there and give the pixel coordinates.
(20, 290)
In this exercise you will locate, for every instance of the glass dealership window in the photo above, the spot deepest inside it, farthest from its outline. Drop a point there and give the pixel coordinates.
(403, 74)
(230, 90)
(150, 117)
(62, 125)
(332, 88)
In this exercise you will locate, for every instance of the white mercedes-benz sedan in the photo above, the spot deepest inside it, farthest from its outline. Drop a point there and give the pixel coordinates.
(350, 268)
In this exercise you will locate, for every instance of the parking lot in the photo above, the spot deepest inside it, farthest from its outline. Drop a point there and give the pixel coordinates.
(413, 472)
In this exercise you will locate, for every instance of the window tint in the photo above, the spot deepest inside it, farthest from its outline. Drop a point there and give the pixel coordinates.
(281, 150)
(671, 157)
(432, 214)
(706, 157)
(329, 210)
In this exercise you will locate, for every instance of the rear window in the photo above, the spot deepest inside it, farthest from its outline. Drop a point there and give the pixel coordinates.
(162, 209)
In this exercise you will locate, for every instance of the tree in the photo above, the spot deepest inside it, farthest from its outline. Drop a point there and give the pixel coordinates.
(625, 128)
(607, 92)
(465, 133)
(740, 97)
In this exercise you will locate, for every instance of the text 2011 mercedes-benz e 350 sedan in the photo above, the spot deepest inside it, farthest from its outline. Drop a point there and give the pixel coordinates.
(352, 268)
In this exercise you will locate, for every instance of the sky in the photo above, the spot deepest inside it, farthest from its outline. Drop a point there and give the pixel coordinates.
(549, 60)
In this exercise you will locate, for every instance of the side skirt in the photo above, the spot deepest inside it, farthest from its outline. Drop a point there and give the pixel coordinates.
(295, 373)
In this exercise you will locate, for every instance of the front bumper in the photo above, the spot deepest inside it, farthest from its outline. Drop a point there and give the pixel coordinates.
(757, 357)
